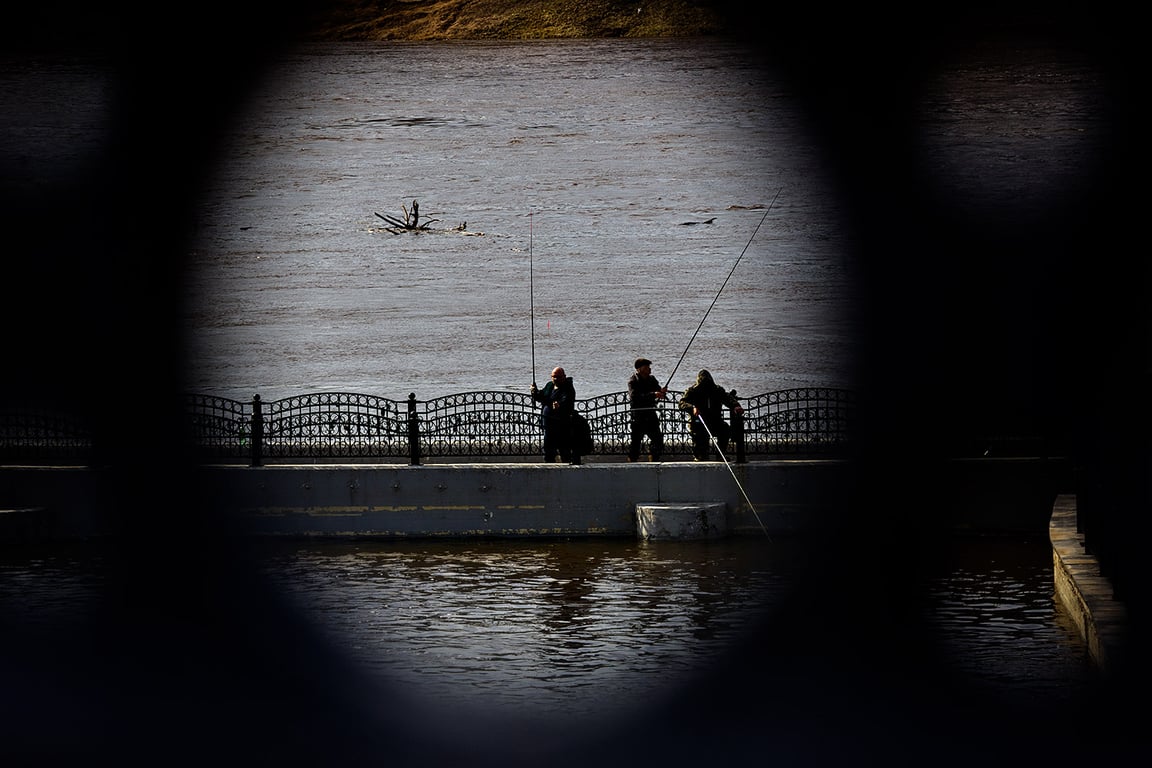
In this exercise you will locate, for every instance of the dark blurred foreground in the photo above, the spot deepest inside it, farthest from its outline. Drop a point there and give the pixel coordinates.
(1041, 334)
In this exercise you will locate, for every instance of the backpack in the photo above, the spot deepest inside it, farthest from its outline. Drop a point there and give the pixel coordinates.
(581, 434)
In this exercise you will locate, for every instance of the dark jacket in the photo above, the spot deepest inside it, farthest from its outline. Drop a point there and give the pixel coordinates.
(642, 392)
(709, 397)
(564, 396)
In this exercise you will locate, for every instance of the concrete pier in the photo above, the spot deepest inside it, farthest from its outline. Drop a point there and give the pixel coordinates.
(1085, 593)
(658, 522)
(515, 499)
(519, 500)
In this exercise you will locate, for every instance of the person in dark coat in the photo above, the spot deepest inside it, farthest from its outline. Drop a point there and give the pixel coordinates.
(558, 399)
(643, 391)
(706, 400)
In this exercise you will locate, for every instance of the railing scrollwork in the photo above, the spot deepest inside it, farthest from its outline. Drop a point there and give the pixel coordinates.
(481, 425)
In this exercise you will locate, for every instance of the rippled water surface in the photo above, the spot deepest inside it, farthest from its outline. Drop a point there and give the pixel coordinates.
(599, 628)
(992, 602)
(572, 628)
(586, 630)
(587, 200)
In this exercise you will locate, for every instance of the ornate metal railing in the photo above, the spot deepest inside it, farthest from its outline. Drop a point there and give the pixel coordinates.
(334, 425)
(220, 428)
(481, 425)
(39, 434)
(809, 420)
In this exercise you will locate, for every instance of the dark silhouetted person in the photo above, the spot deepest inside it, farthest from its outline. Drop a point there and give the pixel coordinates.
(558, 398)
(706, 400)
(643, 391)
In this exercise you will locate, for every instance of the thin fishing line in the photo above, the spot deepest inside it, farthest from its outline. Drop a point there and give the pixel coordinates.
(730, 272)
(531, 299)
(733, 473)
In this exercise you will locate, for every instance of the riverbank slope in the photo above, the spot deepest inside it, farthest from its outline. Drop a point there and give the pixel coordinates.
(350, 20)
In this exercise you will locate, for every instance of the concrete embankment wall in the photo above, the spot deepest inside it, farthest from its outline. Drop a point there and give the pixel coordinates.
(52, 503)
(521, 499)
(525, 499)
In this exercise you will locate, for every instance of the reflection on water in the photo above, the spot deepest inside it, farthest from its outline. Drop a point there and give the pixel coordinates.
(588, 629)
(600, 627)
(562, 627)
(50, 590)
(992, 601)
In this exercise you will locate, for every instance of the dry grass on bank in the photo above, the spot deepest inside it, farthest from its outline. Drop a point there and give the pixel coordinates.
(515, 19)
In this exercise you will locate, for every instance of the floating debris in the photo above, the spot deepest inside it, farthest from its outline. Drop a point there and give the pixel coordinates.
(411, 223)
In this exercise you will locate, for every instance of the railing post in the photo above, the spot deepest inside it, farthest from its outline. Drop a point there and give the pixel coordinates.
(413, 431)
(257, 432)
(738, 434)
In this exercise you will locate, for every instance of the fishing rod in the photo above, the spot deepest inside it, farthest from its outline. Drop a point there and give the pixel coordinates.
(733, 473)
(531, 299)
(730, 272)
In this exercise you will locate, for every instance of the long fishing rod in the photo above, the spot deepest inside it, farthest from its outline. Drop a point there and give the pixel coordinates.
(733, 473)
(730, 272)
(531, 299)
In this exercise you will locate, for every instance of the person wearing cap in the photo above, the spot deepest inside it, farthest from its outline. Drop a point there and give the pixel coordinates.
(705, 400)
(643, 391)
(558, 399)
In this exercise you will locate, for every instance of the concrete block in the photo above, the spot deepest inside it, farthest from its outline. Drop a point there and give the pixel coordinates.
(698, 520)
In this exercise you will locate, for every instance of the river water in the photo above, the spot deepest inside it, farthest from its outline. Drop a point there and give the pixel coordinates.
(585, 175)
(596, 630)
(589, 202)
(591, 633)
